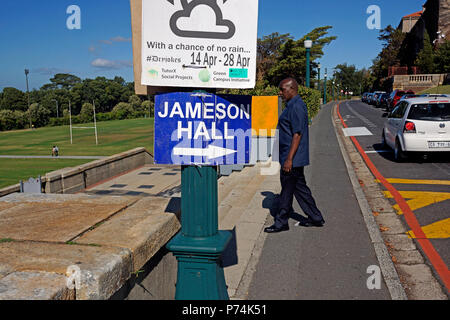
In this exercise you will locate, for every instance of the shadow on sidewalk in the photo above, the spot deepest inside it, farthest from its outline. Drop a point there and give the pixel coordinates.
(229, 256)
(272, 202)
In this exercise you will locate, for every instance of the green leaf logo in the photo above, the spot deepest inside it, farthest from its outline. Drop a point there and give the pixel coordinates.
(204, 75)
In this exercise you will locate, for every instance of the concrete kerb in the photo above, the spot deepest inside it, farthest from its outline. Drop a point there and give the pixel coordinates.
(389, 272)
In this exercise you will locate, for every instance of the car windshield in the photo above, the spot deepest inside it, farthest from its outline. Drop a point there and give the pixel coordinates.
(430, 111)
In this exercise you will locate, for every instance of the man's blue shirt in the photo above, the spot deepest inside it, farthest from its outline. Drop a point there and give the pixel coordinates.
(294, 119)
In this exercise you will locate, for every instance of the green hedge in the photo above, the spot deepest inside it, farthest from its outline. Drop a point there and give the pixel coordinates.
(311, 97)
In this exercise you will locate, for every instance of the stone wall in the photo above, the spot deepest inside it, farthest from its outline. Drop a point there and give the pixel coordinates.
(418, 82)
(76, 179)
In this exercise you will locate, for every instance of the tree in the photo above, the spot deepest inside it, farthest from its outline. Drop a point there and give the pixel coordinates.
(291, 59)
(268, 50)
(442, 58)
(64, 81)
(135, 102)
(87, 112)
(425, 58)
(349, 78)
(149, 106)
(13, 99)
(391, 54)
(122, 110)
(7, 120)
(40, 116)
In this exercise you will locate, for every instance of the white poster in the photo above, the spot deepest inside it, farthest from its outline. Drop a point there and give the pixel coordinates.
(199, 43)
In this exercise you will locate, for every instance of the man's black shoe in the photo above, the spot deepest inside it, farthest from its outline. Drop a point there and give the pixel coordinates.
(310, 223)
(273, 229)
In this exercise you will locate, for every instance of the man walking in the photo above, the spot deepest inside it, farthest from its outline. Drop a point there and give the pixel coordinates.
(294, 156)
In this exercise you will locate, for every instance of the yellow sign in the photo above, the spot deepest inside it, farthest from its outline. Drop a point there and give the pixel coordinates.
(265, 116)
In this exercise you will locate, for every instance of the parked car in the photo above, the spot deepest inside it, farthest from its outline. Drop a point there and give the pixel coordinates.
(418, 125)
(435, 95)
(364, 97)
(409, 96)
(375, 97)
(382, 100)
(376, 103)
(368, 97)
(395, 97)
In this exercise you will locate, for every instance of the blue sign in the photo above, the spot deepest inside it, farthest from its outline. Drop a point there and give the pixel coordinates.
(202, 129)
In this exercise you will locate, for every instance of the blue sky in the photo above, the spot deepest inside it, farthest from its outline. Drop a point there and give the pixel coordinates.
(34, 34)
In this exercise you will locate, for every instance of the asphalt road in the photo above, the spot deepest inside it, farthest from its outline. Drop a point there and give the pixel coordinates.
(320, 263)
(424, 183)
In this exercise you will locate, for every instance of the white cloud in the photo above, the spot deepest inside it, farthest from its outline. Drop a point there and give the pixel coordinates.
(97, 48)
(111, 64)
(120, 39)
(49, 71)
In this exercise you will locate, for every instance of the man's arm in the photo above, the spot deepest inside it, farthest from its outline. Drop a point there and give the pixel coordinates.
(287, 166)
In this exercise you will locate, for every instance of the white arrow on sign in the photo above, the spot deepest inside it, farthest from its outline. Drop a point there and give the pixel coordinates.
(211, 152)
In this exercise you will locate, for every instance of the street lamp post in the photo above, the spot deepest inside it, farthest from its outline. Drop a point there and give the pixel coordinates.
(325, 88)
(28, 93)
(57, 112)
(318, 69)
(308, 46)
(332, 89)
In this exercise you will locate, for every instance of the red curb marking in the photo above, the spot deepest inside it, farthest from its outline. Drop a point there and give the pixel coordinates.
(435, 259)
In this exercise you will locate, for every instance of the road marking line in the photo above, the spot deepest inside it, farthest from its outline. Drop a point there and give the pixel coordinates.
(437, 230)
(419, 199)
(357, 131)
(434, 257)
(378, 151)
(418, 181)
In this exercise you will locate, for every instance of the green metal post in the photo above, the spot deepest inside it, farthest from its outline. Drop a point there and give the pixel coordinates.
(199, 245)
(308, 67)
(332, 89)
(318, 88)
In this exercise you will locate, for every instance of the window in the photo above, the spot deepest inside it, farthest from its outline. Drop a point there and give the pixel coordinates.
(430, 111)
(399, 111)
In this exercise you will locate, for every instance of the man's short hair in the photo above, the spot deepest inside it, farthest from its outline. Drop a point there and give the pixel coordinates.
(293, 83)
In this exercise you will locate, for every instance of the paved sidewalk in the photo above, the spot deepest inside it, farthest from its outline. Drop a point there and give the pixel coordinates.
(321, 263)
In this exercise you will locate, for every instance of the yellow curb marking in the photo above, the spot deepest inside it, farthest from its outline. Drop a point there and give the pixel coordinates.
(416, 181)
(421, 199)
(437, 230)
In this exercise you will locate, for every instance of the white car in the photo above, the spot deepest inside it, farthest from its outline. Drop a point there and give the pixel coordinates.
(418, 125)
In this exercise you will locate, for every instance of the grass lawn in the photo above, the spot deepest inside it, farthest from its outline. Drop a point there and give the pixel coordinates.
(113, 137)
(440, 89)
(14, 170)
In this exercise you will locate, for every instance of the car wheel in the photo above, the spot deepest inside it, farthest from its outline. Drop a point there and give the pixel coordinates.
(399, 154)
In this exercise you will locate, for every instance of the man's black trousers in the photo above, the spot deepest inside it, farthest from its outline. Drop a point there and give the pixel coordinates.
(294, 184)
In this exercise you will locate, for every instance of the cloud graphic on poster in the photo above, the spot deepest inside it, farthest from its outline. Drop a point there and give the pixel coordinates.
(212, 27)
